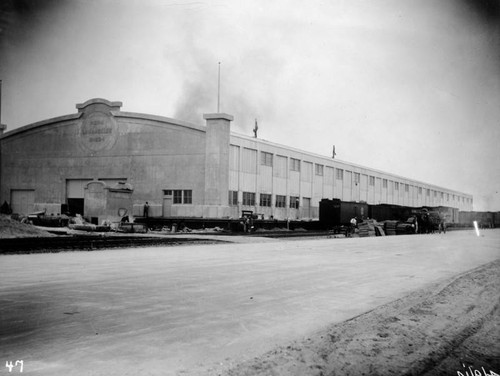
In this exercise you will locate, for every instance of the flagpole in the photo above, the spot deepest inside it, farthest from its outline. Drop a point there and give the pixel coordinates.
(218, 91)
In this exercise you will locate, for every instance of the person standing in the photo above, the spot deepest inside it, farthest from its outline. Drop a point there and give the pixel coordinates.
(146, 210)
(354, 224)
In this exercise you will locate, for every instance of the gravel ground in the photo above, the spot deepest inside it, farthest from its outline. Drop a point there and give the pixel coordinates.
(444, 329)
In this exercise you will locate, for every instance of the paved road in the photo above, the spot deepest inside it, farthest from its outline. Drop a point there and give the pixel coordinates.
(183, 310)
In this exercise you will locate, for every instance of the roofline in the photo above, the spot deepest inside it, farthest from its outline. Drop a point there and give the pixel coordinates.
(329, 159)
(161, 119)
(133, 115)
(38, 124)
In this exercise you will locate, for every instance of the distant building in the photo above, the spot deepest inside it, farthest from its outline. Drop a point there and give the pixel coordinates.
(100, 158)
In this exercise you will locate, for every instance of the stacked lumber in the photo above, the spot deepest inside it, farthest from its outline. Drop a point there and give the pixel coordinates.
(367, 228)
(390, 227)
(379, 229)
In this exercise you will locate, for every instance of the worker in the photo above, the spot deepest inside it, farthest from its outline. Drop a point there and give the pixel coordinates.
(354, 224)
(146, 209)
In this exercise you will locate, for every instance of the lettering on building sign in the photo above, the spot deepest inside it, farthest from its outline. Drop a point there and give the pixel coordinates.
(98, 131)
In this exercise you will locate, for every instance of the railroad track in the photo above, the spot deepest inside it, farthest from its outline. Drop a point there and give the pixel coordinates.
(89, 243)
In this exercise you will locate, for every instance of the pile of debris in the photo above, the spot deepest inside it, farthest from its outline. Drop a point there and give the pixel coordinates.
(10, 228)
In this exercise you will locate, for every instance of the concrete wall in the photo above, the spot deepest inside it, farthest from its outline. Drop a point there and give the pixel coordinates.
(151, 153)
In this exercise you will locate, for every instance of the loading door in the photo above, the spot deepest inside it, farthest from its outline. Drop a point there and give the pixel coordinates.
(75, 193)
(22, 201)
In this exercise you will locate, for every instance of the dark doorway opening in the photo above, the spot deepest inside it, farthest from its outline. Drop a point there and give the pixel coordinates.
(75, 206)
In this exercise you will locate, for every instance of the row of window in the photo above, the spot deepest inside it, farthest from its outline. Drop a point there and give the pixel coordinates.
(265, 199)
(185, 196)
(179, 196)
(267, 160)
(249, 198)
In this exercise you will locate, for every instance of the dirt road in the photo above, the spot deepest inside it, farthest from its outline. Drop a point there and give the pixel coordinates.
(444, 329)
(198, 310)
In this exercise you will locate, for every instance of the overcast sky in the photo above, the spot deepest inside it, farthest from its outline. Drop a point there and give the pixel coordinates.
(410, 87)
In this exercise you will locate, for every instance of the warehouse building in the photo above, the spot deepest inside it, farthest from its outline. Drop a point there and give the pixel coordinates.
(102, 162)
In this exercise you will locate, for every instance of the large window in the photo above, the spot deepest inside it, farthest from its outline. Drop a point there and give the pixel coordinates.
(266, 159)
(249, 198)
(372, 181)
(396, 186)
(294, 164)
(249, 161)
(384, 183)
(177, 196)
(180, 196)
(280, 201)
(187, 196)
(319, 169)
(294, 202)
(307, 171)
(233, 198)
(356, 178)
(340, 174)
(280, 166)
(407, 188)
(265, 199)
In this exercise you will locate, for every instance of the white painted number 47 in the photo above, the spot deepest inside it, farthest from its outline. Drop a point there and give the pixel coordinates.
(9, 365)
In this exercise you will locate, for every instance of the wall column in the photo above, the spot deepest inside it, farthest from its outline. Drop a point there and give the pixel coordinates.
(217, 165)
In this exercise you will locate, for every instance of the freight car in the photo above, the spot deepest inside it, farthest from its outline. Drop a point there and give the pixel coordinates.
(334, 213)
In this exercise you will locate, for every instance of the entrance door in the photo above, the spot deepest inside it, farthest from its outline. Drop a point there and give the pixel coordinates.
(22, 201)
(167, 206)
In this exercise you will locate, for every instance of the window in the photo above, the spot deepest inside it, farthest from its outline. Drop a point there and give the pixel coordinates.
(266, 159)
(428, 192)
(294, 164)
(181, 196)
(396, 186)
(319, 170)
(407, 188)
(280, 166)
(372, 181)
(447, 197)
(356, 178)
(307, 170)
(280, 201)
(188, 196)
(419, 190)
(167, 192)
(435, 194)
(249, 161)
(265, 199)
(233, 198)
(294, 202)
(442, 195)
(177, 196)
(340, 174)
(249, 198)
(384, 183)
